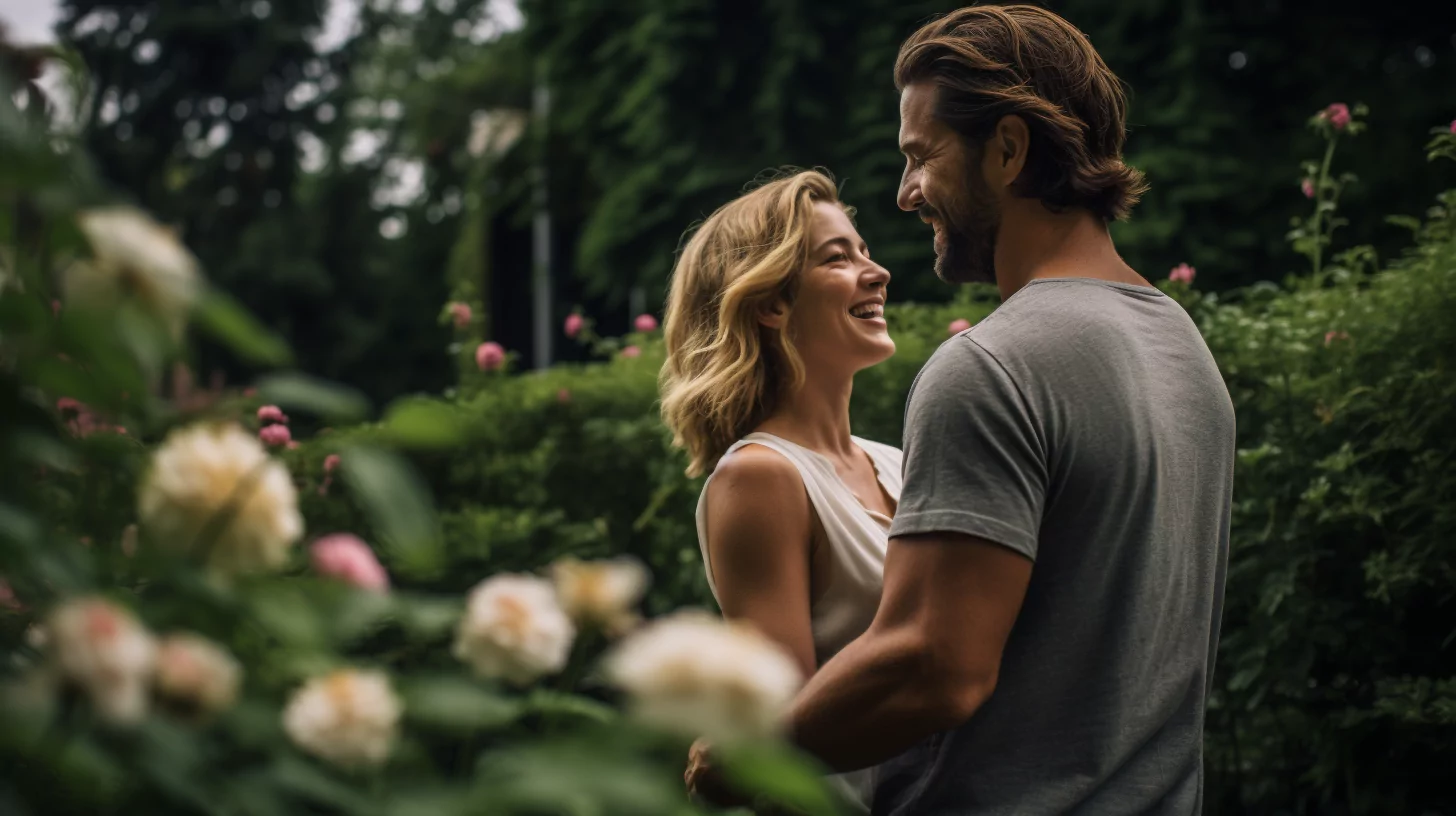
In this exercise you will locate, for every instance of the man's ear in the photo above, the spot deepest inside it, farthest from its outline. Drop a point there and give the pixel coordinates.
(774, 316)
(1006, 150)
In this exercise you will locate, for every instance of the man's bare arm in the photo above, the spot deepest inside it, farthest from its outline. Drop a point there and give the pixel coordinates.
(929, 660)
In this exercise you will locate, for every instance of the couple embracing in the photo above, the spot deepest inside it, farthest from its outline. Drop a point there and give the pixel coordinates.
(1020, 613)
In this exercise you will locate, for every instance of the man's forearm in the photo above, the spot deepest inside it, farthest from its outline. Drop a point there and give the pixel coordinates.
(873, 700)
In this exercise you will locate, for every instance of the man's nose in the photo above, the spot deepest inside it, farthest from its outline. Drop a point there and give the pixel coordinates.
(908, 197)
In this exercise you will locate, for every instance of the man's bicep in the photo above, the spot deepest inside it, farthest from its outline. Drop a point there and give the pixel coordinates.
(975, 453)
(961, 595)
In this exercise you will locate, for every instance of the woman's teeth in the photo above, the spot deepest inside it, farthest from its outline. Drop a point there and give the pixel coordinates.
(867, 311)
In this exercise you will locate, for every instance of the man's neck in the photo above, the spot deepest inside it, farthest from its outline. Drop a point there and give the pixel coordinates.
(1036, 243)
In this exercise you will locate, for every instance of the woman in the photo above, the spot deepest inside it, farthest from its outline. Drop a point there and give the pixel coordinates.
(775, 305)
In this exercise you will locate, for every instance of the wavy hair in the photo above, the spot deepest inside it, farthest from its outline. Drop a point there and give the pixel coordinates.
(995, 61)
(725, 371)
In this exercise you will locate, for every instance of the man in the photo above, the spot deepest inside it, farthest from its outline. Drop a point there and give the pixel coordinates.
(1055, 576)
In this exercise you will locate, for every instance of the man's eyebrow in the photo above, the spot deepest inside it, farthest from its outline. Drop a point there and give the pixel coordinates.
(912, 145)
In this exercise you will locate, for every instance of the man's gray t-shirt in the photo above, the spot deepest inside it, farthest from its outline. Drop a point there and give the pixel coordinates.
(1084, 425)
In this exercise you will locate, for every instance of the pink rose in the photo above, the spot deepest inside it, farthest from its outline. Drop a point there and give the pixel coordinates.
(563, 396)
(1333, 334)
(460, 313)
(631, 351)
(69, 405)
(1182, 273)
(645, 323)
(1338, 114)
(1453, 125)
(275, 435)
(574, 324)
(489, 356)
(272, 413)
(345, 557)
(331, 463)
(1307, 187)
(957, 326)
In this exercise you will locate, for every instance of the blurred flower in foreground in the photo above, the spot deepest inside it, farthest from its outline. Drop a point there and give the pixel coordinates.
(272, 413)
(1183, 273)
(106, 652)
(645, 323)
(1453, 125)
(514, 629)
(1307, 187)
(563, 396)
(331, 462)
(8, 601)
(1333, 335)
(349, 717)
(600, 594)
(197, 673)
(489, 356)
(135, 255)
(573, 325)
(957, 326)
(631, 352)
(217, 481)
(460, 314)
(699, 676)
(347, 558)
(275, 435)
(1338, 114)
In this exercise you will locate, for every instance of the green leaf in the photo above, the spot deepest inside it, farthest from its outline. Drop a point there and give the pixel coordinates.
(398, 505)
(454, 704)
(304, 393)
(780, 774)
(314, 784)
(424, 423)
(228, 322)
(559, 705)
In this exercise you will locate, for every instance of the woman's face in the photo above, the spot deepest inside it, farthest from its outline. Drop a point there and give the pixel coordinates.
(838, 317)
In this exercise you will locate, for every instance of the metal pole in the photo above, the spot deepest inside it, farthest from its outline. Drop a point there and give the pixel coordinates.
(541, 289)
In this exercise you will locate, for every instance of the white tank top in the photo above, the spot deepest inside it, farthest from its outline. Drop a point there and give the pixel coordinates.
(857, 539)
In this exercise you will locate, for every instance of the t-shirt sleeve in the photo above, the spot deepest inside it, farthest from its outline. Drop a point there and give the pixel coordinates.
(975, 457)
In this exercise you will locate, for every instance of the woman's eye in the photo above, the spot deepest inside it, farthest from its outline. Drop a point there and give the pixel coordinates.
(838, 257)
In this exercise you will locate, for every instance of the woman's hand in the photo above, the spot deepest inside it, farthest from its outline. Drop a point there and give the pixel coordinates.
(706, 782)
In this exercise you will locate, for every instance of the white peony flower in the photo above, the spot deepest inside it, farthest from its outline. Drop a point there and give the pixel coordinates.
(695, 674)
(514, 629)
(134, 255)
(216, 481)
(197, 673)
(349, 717)
(601, 594)
(107, 653)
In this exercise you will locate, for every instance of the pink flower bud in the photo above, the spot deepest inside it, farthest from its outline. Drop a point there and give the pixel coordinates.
(56, 305)
(1338, 114)
(1453, 125)
(563, 396)
(1307, 187)
(292, 444)
(1182, 273)
(631, 351)
(275, 435)
(345, 557)
(573, 325)
(460, 313)
(272, 413)
(250, 392)
(1334, 334)
(8, 599)
(489, 356)
(331, 463)
(957, 326)
(645, 323)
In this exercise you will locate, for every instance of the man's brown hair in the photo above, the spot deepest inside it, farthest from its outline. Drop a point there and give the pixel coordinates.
(994, 61)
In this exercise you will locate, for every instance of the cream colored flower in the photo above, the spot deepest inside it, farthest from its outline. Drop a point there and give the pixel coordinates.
(107, 653)
(514, 629)
(600, 594)
(197, 673)
(217, 482)
(695, 674)
(349, 717)
(134, 255)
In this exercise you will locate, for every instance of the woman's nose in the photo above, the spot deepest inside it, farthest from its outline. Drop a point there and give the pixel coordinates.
(876, 277)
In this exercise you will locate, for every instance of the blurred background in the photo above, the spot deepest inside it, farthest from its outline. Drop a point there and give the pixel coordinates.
(346, 167)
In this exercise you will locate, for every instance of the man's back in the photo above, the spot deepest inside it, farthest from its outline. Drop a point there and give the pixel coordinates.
(1085, 425)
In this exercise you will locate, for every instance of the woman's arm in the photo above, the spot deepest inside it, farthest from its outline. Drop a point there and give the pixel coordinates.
(760, 529)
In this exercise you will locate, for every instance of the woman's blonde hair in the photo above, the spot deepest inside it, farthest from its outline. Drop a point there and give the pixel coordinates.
(726, 371)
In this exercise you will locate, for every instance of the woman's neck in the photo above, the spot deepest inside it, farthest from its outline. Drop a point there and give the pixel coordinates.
(815, 415)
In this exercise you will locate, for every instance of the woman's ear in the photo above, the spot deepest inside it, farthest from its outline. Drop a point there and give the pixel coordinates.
(774, 316)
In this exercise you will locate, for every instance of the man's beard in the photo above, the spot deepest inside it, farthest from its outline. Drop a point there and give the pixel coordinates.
(969, 251)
